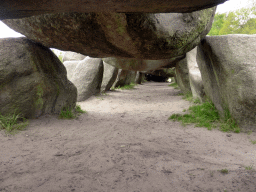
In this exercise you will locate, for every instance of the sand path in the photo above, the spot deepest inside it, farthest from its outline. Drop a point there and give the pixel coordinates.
(125, 143)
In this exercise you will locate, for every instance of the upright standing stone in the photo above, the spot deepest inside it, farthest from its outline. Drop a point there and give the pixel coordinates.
(125, 77)
(87, 76)
(109, 77)
(182, 77)
(195, 79)
(33, 81)
(228, 67)
(72, 56)
(139, 77)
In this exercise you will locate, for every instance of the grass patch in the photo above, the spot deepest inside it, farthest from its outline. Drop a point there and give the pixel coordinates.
(12, 123)
(229, 124)
(189, 97)
(175, 85)
(224, 171)
(196, 101)
(249, 132)
(130, 86)
(204, 115)
(78, 109)
(253, 142)
(248, 167)
(67, 113)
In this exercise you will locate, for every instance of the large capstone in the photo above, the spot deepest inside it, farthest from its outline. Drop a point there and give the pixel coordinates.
(140, 64)
(144, 36)
(11, 9)
(33, 81)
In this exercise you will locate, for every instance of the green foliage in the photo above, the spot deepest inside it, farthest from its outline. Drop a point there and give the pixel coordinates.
(242, 21)
(68, 113)
(249, 132)
(60, 57)
(196, 101)
(253, 142)
(78, 109)
(175, 85)
(248, 167)
(224, 171)
(206, 115)
(12, 123)
(130, 86)
(229, 123)
(188, 96)
(217, 24)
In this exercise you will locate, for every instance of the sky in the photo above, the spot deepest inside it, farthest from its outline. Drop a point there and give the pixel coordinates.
(230, 5)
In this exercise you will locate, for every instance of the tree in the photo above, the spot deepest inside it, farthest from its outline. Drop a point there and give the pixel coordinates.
(242, 21)
(217, 24)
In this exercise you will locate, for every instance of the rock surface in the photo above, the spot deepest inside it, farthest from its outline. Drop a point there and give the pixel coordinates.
(72, 56)
(70, 67)
(182, 76)
(195, 78)
(228, 68)
(125, 77)
(139, 64)
(144, 36)
(86, 76)
(33, 81)
(11, 9)
(109, 77)
(139, 77)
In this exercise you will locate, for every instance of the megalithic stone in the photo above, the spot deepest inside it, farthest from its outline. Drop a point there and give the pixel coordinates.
(11, 9)
(144, 36)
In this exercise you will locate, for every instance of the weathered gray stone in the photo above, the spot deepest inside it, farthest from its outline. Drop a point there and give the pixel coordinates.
(139, 64)
(72, 56)
(86, 76)
(125, 77)
(10, 9)
(33, 81)
(70, 67)
(182, 77)
(144, 36)
(139, 77)
(109, 77)
(195, 79)
(228, 67)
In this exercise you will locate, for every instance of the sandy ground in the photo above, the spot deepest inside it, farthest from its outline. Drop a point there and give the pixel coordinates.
(126, 143)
